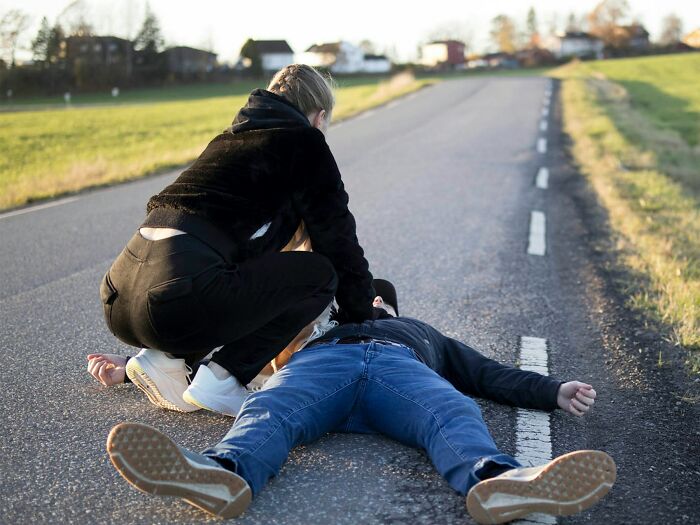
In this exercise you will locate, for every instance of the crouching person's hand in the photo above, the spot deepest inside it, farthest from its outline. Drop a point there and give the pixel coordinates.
(576, 398)
(108, 369)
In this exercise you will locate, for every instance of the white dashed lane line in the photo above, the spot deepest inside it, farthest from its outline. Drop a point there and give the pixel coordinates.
(533, 440)
(541, 145)
(536, 242)
(542, 180)
(543, 125)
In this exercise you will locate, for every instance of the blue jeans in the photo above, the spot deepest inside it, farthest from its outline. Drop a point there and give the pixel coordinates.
(362, 388)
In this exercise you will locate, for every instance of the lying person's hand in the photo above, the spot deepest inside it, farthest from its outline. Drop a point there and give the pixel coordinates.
(575, 397)
(108, 369)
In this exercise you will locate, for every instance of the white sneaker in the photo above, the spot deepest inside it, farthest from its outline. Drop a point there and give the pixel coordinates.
(566, 485)
(161, 377)
(224, 396)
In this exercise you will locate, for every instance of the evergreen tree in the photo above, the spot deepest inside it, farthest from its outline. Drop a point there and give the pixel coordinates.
(54, 46)
(149, 39)
(533, 33)
(40, 44)
(250, 52)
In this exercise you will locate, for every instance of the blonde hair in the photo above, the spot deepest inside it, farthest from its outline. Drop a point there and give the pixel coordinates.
(304, 87)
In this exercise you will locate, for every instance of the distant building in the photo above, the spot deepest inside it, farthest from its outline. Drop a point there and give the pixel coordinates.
(501, 60)
(99, 50)
(339, 57)
(376, 64)
(635, 37)
(188, 61)
(274, 54)
(575, 44)
(443, 53)
(692, 39)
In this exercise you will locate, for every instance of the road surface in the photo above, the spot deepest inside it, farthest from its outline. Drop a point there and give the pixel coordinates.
(443, 185)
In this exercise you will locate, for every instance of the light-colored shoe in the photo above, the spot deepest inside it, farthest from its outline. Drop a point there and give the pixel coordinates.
(162, 378)
(224, 396)
(566, 485)
(153, 463)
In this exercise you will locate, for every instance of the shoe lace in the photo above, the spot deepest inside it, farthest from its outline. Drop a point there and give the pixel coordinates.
(188, 375)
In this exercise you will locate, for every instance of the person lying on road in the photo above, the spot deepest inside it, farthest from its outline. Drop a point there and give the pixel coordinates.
(381, 378)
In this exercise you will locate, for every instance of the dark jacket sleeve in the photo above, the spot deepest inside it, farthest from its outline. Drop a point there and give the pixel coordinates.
(321, 201)
(474, 374)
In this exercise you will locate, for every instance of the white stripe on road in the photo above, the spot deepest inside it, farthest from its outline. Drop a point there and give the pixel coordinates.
(545, 112)
(543, 125)
(542, 180)
(38, 207)
(541, 145)
(536, 243)
(533, 441)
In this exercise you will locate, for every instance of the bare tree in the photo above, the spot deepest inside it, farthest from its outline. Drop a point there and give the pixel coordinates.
(12, 24)
(605, 20)
(504, 34)
(672, 30)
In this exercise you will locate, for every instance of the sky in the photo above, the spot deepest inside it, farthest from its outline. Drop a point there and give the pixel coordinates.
(394, 27)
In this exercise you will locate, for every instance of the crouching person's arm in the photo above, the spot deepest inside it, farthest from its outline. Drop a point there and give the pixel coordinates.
(108, 369)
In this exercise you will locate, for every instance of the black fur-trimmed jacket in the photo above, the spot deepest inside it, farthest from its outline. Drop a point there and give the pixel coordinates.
(272, 169)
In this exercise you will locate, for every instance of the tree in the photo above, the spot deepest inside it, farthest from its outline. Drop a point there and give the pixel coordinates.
(504, 34)
(605, 19)
(368, 47)
(12, 24)
(672, 30)
(40, 44)
(573, 25)
(149, 39)
(533, 33)
(249, 52)
(54, 46)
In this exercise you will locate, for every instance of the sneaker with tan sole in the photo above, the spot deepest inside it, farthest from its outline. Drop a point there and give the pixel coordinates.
(153, 463)
(162, 378)
(566, 485)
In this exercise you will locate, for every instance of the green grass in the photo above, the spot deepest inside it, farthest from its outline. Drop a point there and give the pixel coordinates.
(637, 148)
(49, 152)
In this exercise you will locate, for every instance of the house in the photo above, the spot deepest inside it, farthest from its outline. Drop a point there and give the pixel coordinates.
(376, 64)
(692, 39)
(187, 61)
(635, 37)
(339, 57)
(274, 54)
(575, 44)
(443, 54)
(501, 60)
(99, 50)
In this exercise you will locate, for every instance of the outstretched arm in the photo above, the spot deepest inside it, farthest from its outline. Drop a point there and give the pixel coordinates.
(576, 398)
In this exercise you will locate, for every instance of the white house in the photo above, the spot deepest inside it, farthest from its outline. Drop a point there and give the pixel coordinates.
(274, 54)
(376, 64)
(344, 58)
(575, 44)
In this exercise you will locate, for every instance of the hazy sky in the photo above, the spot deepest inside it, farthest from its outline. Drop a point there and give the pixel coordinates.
(224, 25)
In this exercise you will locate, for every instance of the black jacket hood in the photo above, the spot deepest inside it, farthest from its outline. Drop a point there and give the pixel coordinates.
(266, 110)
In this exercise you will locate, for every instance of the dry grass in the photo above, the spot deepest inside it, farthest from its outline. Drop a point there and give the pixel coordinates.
(648, 180)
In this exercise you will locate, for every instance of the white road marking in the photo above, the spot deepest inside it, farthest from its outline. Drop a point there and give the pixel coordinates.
(533, 441)
(541, 145)
(536, 243)
(543, 125)
(542, 180)
(38, 207)
(545, 112)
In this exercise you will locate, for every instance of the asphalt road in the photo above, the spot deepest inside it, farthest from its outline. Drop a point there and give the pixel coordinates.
(442, 185)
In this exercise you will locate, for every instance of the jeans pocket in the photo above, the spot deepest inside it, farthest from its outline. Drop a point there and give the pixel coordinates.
(108, 294)
(174, 310)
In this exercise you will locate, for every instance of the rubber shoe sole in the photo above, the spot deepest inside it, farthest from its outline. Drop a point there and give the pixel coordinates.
(140, 378)
(154, 464)
(566, 485)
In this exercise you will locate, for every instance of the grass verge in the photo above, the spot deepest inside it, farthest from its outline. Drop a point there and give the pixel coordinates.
(46, 153)
(644, 168)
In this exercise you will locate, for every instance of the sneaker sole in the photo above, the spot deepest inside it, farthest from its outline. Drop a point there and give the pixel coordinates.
(140, 378)
(566, 485)
(153, 463)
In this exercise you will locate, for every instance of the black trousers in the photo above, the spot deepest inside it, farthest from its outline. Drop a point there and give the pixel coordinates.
(180, 296)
